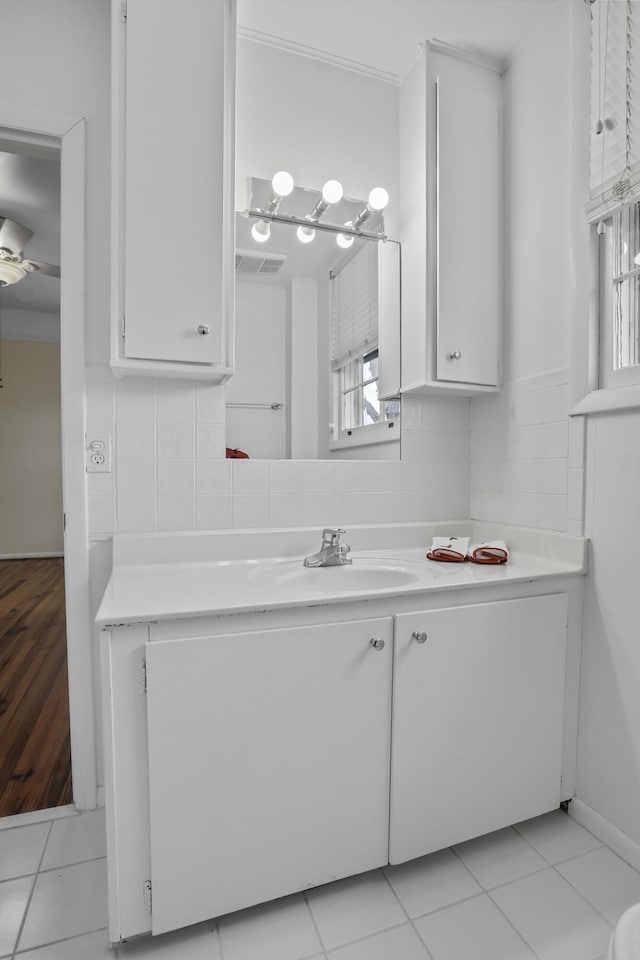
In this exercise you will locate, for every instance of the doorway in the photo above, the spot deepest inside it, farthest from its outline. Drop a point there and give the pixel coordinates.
(39, 133)
(35, 772)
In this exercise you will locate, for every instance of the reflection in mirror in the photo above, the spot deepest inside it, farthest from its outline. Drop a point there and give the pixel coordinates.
(317, 297)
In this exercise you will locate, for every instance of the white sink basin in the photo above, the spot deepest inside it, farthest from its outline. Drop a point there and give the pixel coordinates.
(362, 575)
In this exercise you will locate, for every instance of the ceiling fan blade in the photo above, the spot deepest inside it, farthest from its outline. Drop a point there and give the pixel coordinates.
(13, 236)
(48, 269)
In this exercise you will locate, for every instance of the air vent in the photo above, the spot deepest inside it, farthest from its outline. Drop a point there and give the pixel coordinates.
(247, 261)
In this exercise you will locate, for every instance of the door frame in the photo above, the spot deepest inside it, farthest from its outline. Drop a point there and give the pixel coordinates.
(66, 134)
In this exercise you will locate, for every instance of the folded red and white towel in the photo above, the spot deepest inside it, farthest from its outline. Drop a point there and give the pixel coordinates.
(451, 549)
(458, 549)
(488, 551)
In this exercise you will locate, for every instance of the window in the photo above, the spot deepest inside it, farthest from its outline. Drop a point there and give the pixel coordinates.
(612, 380)
(360, 415)
(360, 405)
(620, 298)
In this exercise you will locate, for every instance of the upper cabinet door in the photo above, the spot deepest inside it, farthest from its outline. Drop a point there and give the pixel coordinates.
(450, 168)
(174, 103)
(467, 220)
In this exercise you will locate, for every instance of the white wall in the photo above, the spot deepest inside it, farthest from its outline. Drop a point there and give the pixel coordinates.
(520, 441)
(30, 449)
(608, 774)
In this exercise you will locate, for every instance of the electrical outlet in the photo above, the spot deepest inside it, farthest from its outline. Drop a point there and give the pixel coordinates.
(98, 453)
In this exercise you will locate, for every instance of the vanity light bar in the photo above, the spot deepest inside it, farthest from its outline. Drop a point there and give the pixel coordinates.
(303, 222)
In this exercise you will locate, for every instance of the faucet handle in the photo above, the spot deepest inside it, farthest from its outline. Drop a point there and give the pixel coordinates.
(331, 534)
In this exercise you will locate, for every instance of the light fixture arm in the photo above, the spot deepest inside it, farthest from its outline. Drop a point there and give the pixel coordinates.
(304, 222)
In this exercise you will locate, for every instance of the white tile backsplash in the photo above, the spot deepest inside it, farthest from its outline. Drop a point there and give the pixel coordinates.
(175, 401)
(136, 400)
(522, 445)
(176, 478)
(176, 513)
(176, 439)
(214, 512)
(250, 511)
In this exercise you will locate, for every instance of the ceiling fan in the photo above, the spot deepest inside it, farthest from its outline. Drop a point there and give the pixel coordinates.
(13, 239)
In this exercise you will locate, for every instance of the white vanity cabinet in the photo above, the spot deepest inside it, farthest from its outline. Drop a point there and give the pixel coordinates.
(255, 754)
(173, 223)
(478, 707)
(450, 158)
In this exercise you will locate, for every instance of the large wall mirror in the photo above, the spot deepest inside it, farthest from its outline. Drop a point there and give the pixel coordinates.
(317, 309)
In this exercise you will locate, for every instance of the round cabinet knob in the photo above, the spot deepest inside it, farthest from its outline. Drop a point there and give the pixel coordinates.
(455, 355)
(377, 643)
(204, 329)
(419, 636)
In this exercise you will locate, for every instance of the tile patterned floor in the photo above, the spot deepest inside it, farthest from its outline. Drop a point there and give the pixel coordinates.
(542, 890)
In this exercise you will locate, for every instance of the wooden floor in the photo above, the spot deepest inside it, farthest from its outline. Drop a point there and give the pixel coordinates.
(35, 751)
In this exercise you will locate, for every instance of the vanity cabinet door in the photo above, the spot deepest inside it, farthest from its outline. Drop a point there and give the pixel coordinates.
(478, 704)
(268, 764)
(174, 68)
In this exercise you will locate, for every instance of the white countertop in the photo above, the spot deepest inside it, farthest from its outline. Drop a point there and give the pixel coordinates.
(170, 576)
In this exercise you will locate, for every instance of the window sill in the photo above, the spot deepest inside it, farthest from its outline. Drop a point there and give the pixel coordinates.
(369, 436)
(607, 401)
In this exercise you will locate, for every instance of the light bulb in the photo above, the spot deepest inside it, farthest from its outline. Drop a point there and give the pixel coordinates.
(305, 234)
(378, 198)
(261, 231)
(344, 241)
(332, 191)
(282, 183)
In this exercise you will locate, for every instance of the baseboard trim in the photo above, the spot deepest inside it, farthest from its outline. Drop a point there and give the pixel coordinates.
(618, 841)
(30, 556)
(37, 816)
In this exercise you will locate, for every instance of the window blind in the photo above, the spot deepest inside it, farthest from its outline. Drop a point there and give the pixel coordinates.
(354, 306)
(615, 105)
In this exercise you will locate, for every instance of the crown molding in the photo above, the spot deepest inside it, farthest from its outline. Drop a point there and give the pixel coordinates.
(290, 46)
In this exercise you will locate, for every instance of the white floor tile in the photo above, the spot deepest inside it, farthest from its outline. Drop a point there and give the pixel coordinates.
(605, 880)
(91, 946)
(282, 930)
(553, 918)
(14, 895)
(354, 908)
(21, 849)
(472, 930)
(499, 858)
(557, 837)
(75, 839)
(400, 943)
(66, 902)
(431, 882)
(200, 942)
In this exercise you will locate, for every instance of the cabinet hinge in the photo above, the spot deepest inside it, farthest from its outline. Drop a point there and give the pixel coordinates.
(123, 327)
(142, 678)
(123, 11)
(146, 894)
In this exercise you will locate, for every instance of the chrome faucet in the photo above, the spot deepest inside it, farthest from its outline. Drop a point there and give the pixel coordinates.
(332, 553)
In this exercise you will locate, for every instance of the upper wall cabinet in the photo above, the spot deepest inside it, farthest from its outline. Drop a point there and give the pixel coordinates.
(450, 162)
(173, 228)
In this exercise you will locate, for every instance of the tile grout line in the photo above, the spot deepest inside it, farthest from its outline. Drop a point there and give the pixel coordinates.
(406, 913)
(313, 921)
(33, 887)
(487, 891)
(51, 943)
(582, 897)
